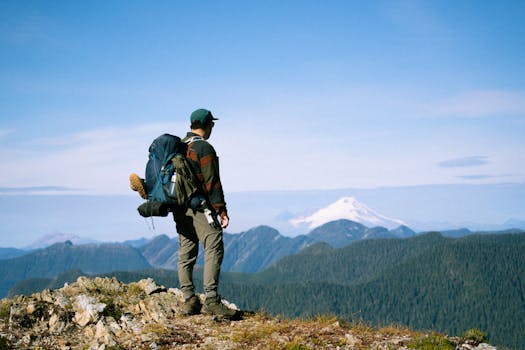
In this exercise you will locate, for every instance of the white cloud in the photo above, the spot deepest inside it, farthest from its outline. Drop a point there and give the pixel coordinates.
(480, 103)
(95, 161)
(464, 162)
(290, 143)
(267, 157)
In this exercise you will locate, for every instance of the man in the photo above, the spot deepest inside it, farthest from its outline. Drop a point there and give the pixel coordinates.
(200, 220)
(193, 225)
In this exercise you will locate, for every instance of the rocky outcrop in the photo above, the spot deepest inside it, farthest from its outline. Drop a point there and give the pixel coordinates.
(94, 313)
(103, 313)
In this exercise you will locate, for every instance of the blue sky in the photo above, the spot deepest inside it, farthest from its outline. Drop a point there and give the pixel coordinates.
(310, 94)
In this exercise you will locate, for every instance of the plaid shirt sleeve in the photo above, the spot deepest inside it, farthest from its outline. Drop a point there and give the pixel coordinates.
(206, 166)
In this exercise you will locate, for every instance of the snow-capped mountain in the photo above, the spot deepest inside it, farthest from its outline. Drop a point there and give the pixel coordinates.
(347, 208)
(58, 237)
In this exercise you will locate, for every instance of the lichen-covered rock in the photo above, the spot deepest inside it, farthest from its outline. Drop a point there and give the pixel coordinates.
(87, 309)
(150, 287)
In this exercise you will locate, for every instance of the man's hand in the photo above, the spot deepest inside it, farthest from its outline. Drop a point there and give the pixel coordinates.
(225, 221)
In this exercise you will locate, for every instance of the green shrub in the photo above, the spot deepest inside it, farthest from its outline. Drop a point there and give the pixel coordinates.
(4, 345)
(475, 335)
(112, 309)
(5, 308)
(295, 346)
(431, 342)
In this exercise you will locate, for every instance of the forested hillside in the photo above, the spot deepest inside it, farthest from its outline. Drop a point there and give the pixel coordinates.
(425, 282)
(60, 257)
(362, 259)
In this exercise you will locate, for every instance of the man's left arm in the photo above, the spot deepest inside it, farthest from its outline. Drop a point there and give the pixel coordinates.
(212, 184)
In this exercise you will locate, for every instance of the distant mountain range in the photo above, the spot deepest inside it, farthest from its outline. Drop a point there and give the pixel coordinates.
(256, 249)
(422, 208)
(251, 251)
(59, 237)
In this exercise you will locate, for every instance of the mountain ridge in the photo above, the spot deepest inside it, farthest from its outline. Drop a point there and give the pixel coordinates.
(59, 237)
(258, 248)
(60, 257)
(250, 251)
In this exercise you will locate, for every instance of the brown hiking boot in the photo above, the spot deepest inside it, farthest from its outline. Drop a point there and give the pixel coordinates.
(191, 306)
(214, 306)
(137, 184)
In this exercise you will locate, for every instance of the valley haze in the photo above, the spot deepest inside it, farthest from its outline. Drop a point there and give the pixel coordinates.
(28, 217)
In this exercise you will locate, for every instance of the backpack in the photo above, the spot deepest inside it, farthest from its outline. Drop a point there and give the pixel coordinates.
(170, 181)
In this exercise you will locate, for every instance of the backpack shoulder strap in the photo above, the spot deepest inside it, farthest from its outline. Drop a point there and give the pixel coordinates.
(194, 139)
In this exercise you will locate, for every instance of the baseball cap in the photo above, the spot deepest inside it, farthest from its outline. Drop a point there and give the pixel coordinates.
(202, 115)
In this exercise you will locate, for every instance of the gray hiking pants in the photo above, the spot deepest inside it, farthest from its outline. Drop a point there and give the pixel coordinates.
(192, 228)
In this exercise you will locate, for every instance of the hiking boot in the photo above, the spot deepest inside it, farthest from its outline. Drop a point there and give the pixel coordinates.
(137, 184)
(191, 306)
(214, 306)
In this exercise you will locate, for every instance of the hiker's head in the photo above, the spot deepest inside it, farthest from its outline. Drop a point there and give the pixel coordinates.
(202, 122)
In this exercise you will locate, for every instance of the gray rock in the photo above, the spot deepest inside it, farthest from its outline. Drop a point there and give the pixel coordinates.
(86, 309)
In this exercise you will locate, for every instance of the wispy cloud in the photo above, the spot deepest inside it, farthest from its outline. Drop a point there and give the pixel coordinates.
(480, 103)
(102, 135)
(475, 177)
(464, 162)
(97, 160)
(5, 132)
(481, 176)
(35, 189)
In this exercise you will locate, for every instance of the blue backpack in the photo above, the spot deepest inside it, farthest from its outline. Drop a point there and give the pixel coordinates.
(161, 175)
